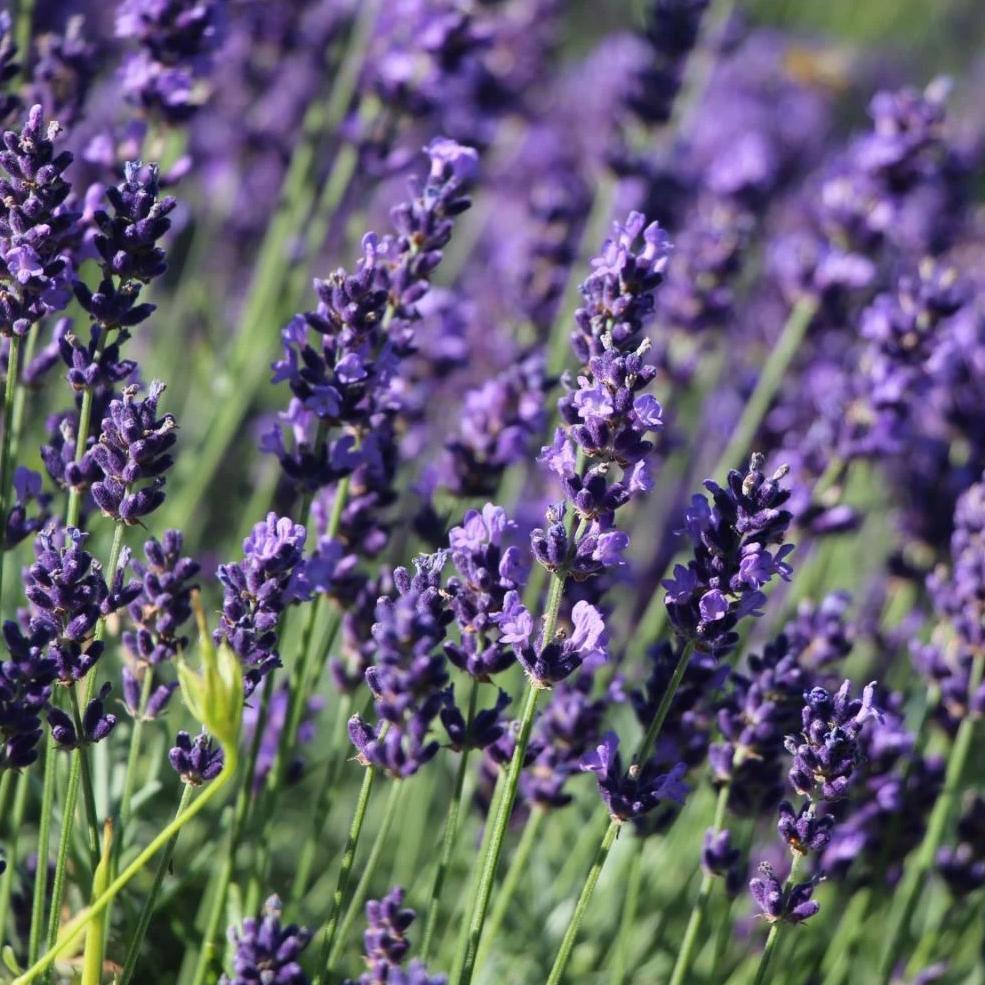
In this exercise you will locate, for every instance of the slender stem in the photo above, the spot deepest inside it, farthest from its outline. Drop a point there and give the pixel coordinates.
(602, 853)
(333, 769)
(762, 972)
(77, 924)
(663, 709)
(12, 848)
(469, 946)
(372, 862)
(61, 860)
(345, 871)
(770, 379)
(571, 934)
(916, 873)
(134, 753)
(44, 841)
(81, 440)
(25, 28)
(147, 911)
(450, 834)
(627, 919)
(5, 783)
(516, 871)
(89, 795)
(10, 388)
(20, 398)
(686, 953)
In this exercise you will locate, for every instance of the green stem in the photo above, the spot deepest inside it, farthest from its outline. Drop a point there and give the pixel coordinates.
(77, 924)
(147, 911)
(25, 28)
(89, 795)
(469, 945)
(663, 709)
(611, 832)
(916, 874)
(516, 871)
(10, 389)
(770, 379)
(686, 953)
(571, 934)
(333, 770)
(372, 863)
(762, 972)
(61, 860)
(12, 848)
(450, 833)
(44, 842)
(81, 440)
(134, 752)
(95, 939)
(5, 783)
(20, 398)
(345, 871)
(627, 919)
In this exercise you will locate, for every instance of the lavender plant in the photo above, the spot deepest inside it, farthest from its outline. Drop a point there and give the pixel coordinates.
(483, 569)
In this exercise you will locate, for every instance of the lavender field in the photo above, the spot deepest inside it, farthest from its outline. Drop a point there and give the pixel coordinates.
(492, 492)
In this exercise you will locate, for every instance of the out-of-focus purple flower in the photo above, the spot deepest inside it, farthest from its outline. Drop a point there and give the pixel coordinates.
(267, 951)
(256, 591)
(718, 855)
(196, 760)
(36, 226)
(630, 794)
(962, 866)
(62, 73)
(500, 419)
(27, 490)
(177, 38)
(10, 102)
(273, 730)
(133, 455)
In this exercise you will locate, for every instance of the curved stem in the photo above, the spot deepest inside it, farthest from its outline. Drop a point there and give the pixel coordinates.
(450, 833)
(78, 923)
(147, 911)
(686, 953)
(571, 934)
(916, 874)
(517, 869)
(10, 388)
(469, 946)
(372, 862)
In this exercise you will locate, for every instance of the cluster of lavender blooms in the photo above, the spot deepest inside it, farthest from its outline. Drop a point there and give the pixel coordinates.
(385, 945)
(425, 374)
(176, 40)
(825, 756)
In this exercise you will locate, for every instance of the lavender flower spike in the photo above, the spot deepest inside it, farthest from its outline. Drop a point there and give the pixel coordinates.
(266, 951)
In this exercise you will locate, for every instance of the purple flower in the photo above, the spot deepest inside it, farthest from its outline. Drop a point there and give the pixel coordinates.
(791, 905)
(97, 723)
(36, 228)
(257, 590)
(267, 951)
(196, 760)
(133, 454)
(639, 790)
(26, 677)
(27, 490)
(732, 560)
